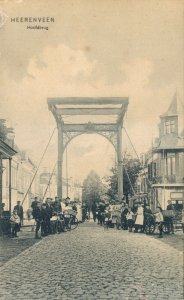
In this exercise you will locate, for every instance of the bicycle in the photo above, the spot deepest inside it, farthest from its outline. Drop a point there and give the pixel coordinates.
(70, 219)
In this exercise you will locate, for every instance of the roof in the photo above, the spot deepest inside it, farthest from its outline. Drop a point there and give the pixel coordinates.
(176, 107)
(6, 150)
(170, 141)
(173, 140)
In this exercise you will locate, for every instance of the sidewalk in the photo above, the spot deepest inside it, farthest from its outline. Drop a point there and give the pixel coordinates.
(11, 247)
(175, 240)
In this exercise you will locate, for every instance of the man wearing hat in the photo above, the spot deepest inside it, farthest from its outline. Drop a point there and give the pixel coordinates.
(34, 203)
(57, 205)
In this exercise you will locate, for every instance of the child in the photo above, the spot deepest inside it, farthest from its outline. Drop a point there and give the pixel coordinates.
(107, 221)
(29, 214)
(159, 219)
(14, 221)
(139, 221)
(130, 219)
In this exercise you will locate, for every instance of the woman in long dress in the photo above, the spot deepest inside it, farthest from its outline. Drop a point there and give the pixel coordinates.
(139, 218)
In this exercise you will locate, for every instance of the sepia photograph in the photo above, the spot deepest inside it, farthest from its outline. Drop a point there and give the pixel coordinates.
(91, 149)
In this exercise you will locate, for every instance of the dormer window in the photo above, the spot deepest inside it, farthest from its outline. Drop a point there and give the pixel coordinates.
(169, 126)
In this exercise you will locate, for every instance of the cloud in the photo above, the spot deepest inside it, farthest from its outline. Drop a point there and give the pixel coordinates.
(137, 73)
(63, 71)
(55, 72)
(60, 64)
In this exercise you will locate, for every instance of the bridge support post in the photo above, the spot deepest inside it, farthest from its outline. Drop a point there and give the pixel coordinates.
(60, 160)
(120, 163)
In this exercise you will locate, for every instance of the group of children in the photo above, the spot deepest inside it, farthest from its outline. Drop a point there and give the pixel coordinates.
(136, 218)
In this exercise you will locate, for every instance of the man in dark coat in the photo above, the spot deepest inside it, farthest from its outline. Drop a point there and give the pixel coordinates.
(48, 213)
(57, 205)
(124, 218)
(44, 225)
(37, 215)
(147, 213)
(101, 212)
(34, 203)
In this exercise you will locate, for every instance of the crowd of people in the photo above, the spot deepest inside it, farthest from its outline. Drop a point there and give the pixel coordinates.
(42, 213)
(132, 218)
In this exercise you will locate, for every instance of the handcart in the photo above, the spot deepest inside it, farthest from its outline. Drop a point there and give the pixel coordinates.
(151, 224)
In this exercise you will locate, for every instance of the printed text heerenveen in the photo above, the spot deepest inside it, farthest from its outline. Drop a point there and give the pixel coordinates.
(31, 19)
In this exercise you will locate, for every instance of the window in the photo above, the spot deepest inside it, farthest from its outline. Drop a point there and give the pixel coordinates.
(171, 167)
(169, 126)
(172, 126)
(152, 170)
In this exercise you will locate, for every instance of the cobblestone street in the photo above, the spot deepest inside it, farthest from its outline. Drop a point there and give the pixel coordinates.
(93, 263)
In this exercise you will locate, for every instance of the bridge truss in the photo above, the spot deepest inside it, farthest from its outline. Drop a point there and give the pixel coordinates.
(75, 116)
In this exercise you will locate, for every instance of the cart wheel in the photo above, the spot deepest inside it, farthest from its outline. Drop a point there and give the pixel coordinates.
(166, 228)
(150, 228)
(147, 229)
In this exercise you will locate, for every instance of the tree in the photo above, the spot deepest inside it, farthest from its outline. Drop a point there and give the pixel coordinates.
(92, 189)
(112, 181)
(132, 168)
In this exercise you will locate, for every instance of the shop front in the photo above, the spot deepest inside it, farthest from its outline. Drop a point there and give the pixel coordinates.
(166, 194)
(6, 153)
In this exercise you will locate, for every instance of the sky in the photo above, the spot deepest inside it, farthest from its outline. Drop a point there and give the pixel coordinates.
(124, 48)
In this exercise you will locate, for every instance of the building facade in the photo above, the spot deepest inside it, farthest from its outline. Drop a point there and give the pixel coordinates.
(22, 173)
(164, 163)
(7, 151)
